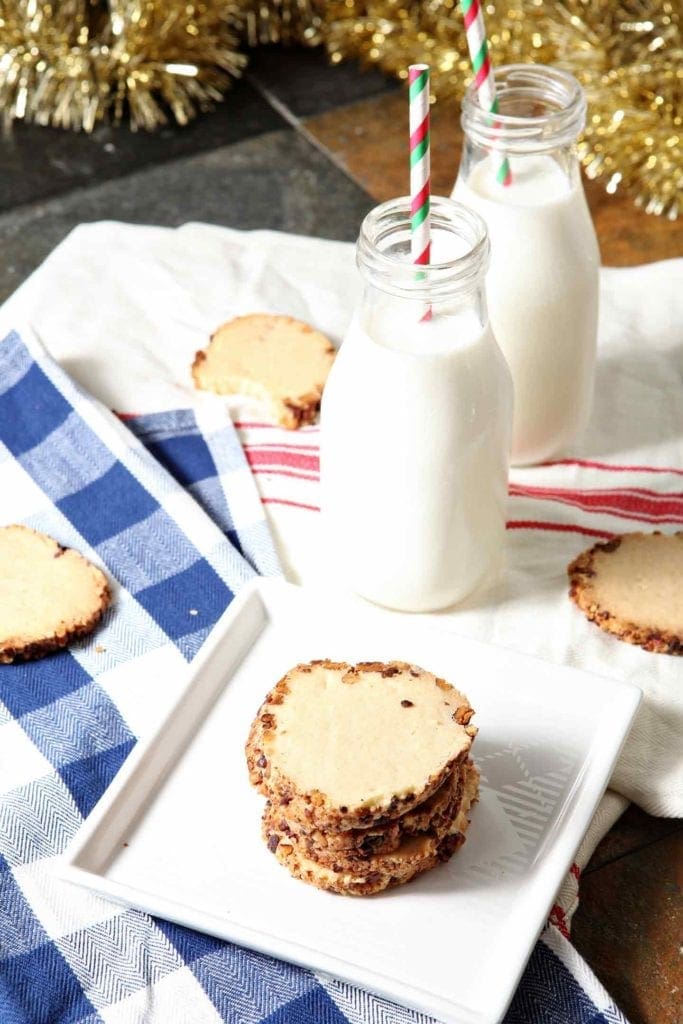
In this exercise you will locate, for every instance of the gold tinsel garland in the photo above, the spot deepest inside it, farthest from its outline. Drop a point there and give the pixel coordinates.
(74, 63)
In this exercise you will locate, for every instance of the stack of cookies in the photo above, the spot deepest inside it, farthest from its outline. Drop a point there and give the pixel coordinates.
(366, 771)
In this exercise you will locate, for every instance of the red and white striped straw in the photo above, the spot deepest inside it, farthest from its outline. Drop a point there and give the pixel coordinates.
(484, 81)
(420, 181)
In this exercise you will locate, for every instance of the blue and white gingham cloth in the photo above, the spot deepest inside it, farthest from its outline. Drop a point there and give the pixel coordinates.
(167, 505)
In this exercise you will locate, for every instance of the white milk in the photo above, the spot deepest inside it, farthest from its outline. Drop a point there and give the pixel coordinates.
(415, 434)
(542, 293)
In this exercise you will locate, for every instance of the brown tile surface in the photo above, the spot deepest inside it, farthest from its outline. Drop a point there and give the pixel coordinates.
(368, 140)
(633, 831)
(628, 928)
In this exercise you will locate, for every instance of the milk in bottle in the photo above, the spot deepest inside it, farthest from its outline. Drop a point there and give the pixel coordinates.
(415, 419)
(542, 283)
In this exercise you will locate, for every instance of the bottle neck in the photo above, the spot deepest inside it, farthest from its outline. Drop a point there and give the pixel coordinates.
(532, 173)
(539, 110)
(458, 260)
(409, 325)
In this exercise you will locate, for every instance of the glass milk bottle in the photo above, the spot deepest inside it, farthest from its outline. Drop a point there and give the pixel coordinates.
(542, 284)
(416, 418)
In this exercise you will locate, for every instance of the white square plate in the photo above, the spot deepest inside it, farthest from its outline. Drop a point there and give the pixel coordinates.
(178, 831)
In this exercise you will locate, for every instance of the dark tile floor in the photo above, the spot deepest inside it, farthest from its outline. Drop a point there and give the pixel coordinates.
(300, 146)
(276, 180)
(39, 163)
(302, 84)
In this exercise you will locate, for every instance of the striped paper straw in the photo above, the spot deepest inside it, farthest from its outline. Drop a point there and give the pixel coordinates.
(420, 184)
(478, 46)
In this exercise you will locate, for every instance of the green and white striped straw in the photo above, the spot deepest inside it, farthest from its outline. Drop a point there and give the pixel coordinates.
(484, 81)
(420, 180)
(420, 175)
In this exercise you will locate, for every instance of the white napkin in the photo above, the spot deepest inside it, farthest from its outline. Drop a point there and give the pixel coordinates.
(124, 308)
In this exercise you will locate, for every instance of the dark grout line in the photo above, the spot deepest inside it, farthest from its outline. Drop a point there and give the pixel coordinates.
(636, 849)
(278, 106)
(299, 126)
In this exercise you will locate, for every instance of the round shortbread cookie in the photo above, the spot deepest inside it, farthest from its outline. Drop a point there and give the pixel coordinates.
(281, 361)
(347, 747)
(632, 587)
(436, 814)
(416, 855)
(49, 595)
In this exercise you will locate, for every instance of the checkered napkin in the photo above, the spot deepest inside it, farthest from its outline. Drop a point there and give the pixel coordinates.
(129, 497)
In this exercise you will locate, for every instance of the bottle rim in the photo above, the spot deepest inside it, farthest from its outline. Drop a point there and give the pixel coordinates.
(397, 275)
(534, 85)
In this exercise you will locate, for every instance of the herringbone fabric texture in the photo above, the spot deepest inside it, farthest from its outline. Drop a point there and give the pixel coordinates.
(167, 506)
